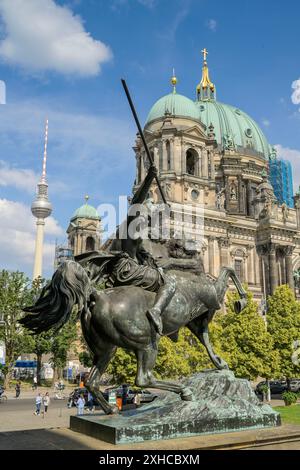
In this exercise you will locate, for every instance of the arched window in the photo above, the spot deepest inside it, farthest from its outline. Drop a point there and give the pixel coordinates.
(168, 148)
(90, 244)
(238, 267)
(192, 162)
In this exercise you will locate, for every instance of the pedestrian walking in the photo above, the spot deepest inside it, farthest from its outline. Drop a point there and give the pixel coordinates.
(80, 405)
(90, 402)
(46, 402)
(34, 383)
(18, 389)
(137, 399)
(38, 402)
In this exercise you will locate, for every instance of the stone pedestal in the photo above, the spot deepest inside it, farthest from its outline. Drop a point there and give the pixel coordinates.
(221, 404)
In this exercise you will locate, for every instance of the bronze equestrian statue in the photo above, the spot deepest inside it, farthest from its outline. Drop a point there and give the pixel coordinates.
(141, 302)
(117, 317)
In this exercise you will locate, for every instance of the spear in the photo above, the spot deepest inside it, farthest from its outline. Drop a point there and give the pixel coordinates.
(142, 136)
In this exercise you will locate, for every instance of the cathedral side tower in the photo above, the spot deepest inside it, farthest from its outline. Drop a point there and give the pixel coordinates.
(84, 231)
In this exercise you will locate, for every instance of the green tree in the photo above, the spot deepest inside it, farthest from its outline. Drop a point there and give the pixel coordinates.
(41, 343)
(244, 342)
(61, 345)
(174, 360)
(182, 358)
(85, 359)
(283, 319)
(122, 367)
(15, 293)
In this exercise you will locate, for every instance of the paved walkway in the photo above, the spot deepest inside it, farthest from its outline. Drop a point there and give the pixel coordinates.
(65, 439)
(21, 429)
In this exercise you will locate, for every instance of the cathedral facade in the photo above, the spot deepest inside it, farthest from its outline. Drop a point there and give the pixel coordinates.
(215, 157)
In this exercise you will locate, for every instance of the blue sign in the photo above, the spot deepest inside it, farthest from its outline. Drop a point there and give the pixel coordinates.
(26, 364)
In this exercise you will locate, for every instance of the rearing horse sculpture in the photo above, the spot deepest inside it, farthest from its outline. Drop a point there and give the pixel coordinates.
(116, 317)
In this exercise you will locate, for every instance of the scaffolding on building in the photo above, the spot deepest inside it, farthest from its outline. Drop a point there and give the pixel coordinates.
(62, 253)
(281, 178)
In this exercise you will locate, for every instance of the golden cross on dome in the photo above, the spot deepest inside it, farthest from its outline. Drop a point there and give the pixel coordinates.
(205, 53)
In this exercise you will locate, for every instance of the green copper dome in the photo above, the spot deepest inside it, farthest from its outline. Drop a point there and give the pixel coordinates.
(232, 123)
(86, 212)
(233, 129)
(176, 105)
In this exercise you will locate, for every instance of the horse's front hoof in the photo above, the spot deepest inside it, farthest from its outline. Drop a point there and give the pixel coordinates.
(187, 395)
(221, 364)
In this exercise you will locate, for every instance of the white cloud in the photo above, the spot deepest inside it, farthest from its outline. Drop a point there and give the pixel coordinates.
(17, 177)
(73, 137)
(41, 35)
(2, 92)
(170, 33)
(293, 156)
(296, 93)
(212, 24)
(17, 237)
(24, 179)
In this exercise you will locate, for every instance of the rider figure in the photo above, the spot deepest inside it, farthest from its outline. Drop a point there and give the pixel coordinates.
(135, 266)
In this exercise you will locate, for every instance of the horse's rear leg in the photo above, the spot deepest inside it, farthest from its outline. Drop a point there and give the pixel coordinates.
(101, 361)
(145, 378)
(199, 326)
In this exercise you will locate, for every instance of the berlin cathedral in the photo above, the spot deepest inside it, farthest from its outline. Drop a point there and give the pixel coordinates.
(214, 156)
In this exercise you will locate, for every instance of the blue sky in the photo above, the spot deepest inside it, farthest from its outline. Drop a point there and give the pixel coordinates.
(63, 60)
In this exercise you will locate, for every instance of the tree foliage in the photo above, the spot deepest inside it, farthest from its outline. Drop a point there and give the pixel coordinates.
(174, 360)
(180, 359)
(61, 344)
(283, 319)
(15, 293)
(244, 342)
(41, 343)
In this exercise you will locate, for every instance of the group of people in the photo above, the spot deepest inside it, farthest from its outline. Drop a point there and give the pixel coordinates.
(41, 400)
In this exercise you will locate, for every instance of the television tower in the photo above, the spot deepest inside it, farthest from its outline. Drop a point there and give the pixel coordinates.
(41, 208)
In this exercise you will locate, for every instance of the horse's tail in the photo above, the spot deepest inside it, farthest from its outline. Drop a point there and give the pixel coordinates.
(69, 286)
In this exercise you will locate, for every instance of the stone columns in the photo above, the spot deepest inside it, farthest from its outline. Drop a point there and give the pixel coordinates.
(204, 163)
(282, 269)
(289, 266)
(212, 165)
(269, 266)
(272, 267)
(211, 255)
(251, 274)
(164, 156)
(171, 154)
(246, 264)
(249, 201)
(240, 194)
(156, 156)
